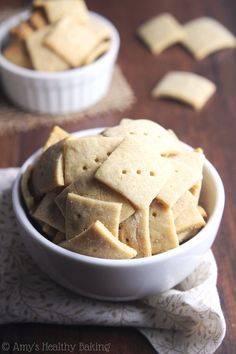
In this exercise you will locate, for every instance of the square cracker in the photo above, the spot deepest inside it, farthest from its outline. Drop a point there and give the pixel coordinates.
(160, 32)
(38, 19)
(162, 230)
(55, 10)
(25, 189)
(48, 212)
(165, 142)
(101, 49)
(57, 134)
(98, 241)
(91, 188)
(43, 59)
(136, 170)
(135, 232)
(187, 217)
(84, 155)
(17, 54)
(79, 41)
(205, 36)
(48, 172)
(187, 172)
(82, 212)
(187, 87)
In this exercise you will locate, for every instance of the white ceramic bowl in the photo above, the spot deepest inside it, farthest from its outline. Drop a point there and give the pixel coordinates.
(122, 279)
(72, 90)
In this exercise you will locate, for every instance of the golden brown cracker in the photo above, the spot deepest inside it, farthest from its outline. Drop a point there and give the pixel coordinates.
(98, 241)
(81, 212)
(17, 54)
(57, 134)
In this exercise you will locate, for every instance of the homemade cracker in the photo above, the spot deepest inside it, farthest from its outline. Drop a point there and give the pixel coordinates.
(25, 189)
(205, 36)
(81, 212)
(101, 49)
(187, 87)
(164, 141)
(161, 32)
(48, 212)
(83, 156)
(55, 10)
(187, 217)
(162, 230)
(17, 54)
(59, 237)
(22, 31)
(187, 171)
(79, 41)
(56, 135)
(49, 231)
(98, 241)
(91, 188)
(196, 190)
(137, 178)
(38, 19)
(48, 172)
(43, 59)
(100, 30)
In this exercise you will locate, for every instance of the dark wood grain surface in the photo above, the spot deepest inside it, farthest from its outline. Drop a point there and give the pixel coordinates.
(214, 129)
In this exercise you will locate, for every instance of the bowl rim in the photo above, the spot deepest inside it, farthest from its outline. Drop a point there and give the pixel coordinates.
(23, 219)
(44, 75)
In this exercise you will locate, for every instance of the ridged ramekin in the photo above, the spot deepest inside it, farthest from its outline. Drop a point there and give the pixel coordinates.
(72, 90)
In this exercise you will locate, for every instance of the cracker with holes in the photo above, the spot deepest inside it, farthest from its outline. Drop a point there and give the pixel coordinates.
(137, 178)
(163, 235)
(80, 41)
(205, 36)
(187, 217)
(87, 186)
(83, 156)
(43, 58)
(98, 241)
(186, 87)
(165, 142)
(135, 233)
(187, 172)
(81, 212)
(48, 172)
(161, 32)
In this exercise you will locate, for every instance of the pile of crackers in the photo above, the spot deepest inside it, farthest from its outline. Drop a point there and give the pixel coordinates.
(132, 191)
(59, 35)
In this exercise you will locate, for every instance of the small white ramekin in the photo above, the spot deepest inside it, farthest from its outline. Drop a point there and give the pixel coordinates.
(130, 279)
(69, 91)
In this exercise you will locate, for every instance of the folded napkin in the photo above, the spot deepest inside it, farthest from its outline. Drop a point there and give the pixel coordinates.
(186, 319)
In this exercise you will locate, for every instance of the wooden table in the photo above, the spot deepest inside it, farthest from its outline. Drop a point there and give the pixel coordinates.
(214, 129)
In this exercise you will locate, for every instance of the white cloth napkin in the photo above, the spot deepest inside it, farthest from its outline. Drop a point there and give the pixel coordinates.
(187, 319)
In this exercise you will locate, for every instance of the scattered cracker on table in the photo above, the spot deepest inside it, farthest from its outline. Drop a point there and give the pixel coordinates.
(80, 41)
(43, 59)
(98, 241)
(160, 32)
(81, 212)
(205, 36)
(187, 87)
